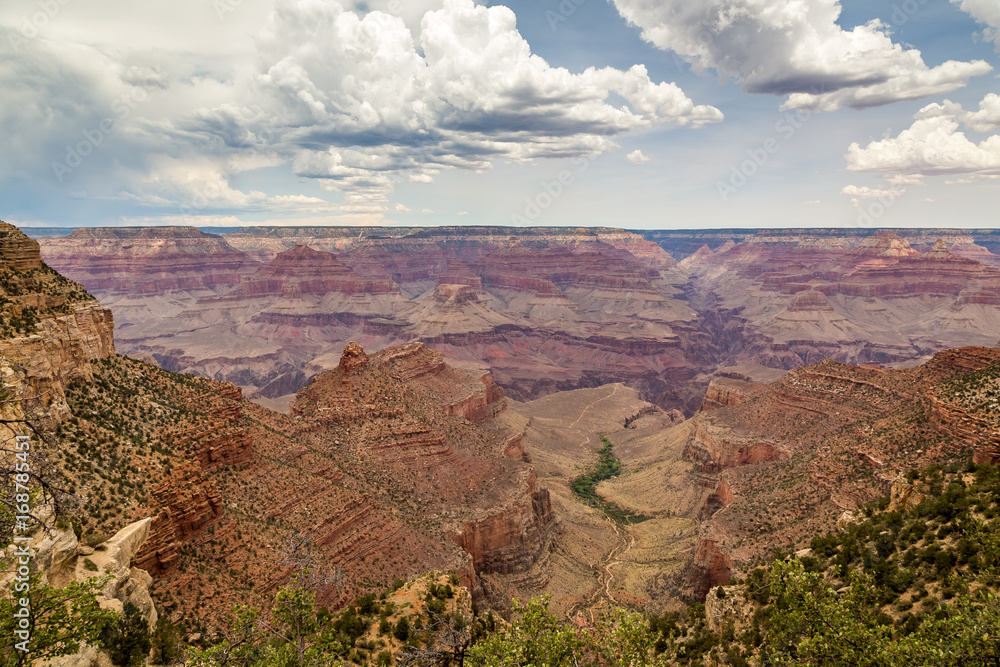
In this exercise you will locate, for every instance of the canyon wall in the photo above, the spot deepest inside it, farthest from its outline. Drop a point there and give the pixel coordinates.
(61, 330)
(545, 310)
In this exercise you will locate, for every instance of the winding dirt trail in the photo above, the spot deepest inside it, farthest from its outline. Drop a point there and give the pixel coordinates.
(614, 391)
(602, 595)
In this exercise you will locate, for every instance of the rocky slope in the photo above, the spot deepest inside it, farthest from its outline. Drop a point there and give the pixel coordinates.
(424, 436)
(392, 465)
(50, 325)
(785, 461)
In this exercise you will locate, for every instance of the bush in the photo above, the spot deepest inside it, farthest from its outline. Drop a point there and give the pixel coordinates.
(167, 645)
(126, 639)
(402, 630)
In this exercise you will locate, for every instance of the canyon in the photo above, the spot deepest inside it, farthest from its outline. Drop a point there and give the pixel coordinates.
(388, 465)
(753, 393)
(544, 309)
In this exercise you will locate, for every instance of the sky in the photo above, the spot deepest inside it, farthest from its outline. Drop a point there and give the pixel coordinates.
(642, 114)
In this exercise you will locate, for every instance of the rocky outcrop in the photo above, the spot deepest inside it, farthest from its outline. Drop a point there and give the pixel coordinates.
(190, 502)
(66, 328)
(420, 429)
(509, 538)
(714, 450)
(60, 559)
(352, 359)
(218, 440)
(17, 251)
(968, 430)
(903, 496)
(709, 567)
(724, 391)
(61, 351)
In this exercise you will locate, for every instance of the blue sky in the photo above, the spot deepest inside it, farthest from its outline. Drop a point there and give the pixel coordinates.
(631, 113)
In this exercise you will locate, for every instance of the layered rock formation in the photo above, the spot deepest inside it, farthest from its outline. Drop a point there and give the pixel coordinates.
(51, 326)
(789, 299)
(792, 457)
(425, 433)
(543, 309)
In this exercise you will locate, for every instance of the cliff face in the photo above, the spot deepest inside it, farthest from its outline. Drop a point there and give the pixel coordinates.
(129, 262)
(19, 253)
(52, 327)
(799, 297)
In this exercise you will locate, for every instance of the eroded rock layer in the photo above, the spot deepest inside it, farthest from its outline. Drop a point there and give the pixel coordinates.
(544, 310)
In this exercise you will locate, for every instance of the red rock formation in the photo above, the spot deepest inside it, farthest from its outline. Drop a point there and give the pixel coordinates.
(191, 502)
(785, 461)
(709, 567)
(408, 421)
(510, 538)
(304, 271)
(71, 329)
(17, 251)
(725, 391)
(147, 261)
(220, 441)
(353, 358)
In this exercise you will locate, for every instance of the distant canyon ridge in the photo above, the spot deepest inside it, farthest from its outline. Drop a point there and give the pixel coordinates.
(544, 309)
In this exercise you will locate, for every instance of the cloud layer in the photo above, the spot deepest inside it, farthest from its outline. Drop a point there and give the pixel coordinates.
(796, 48)
(354, 101)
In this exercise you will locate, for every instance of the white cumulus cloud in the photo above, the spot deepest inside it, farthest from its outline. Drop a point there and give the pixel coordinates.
(934, 145)
(349, 96)
(637, 157)
(986, 12)
(356, 103)
(796, 48)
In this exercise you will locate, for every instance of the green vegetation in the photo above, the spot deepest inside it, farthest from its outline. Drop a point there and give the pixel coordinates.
(915, 587)
(51, 294)
(299, 634)
(978, 391)
(126, 638)
(60, 619)
(585, 486)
